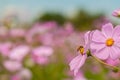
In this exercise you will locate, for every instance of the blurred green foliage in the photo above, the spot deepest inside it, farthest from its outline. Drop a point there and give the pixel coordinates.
(52, 16)
(84, 20)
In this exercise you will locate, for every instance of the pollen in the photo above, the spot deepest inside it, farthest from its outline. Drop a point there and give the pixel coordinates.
(81, 49)
(109, 42)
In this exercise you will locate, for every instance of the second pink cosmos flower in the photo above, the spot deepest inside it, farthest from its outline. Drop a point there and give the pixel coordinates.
(78, 61)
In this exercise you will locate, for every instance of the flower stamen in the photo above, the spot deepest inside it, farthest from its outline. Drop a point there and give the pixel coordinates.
(109, 42)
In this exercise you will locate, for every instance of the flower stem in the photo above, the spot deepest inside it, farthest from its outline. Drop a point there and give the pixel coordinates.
(114, 67)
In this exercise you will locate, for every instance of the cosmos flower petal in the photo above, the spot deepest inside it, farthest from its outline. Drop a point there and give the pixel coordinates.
(97, 46)
(103, 53)
(74, 63)
(116, 33)
(114, 52)
(82, 60)
(80, 64)
(77, 63)
(88, 39)
(117, 44)
(98, 37)
(107, 30)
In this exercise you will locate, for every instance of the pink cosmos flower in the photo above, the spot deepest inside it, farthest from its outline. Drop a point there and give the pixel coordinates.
(116, 13)
(78, 61)
(106, 43)
(19, 52)
(40, 54)
(12, 65)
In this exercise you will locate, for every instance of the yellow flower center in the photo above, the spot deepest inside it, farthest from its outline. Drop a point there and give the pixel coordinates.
(109, 42)
(81, 49)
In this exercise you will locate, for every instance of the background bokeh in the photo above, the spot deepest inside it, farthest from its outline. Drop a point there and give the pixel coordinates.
(38, 38)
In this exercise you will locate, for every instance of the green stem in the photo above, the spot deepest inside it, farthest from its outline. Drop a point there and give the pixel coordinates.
(114, 67)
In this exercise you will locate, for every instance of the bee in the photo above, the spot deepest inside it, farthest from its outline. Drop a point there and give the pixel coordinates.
(80, 49)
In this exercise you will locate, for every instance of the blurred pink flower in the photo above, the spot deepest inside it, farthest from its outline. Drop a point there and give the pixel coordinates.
(23, 74)
(69, 27)
(116, 13)
(40, 54)
(78, 61)
(39, 29)
(113, 62)
(42, 27)
(5, 48)
(12, 65)
(15, 77)
(19, 52)
(17, 32)
(107, 42)
(59, 36)
(47, 39)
